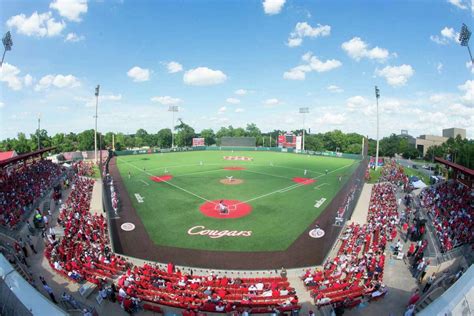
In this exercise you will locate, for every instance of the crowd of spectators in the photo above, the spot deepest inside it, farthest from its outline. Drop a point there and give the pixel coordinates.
(357, 270)
(83, 168)
(450, 205)
(22, 185)
(394, 173)
(83, 254)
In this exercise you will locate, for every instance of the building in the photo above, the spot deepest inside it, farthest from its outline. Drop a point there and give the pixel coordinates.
(424, 142)
(453, 132)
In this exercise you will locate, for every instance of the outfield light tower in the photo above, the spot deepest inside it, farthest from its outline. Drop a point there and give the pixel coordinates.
(304, 111)
(377, 96)
(95, 131)
(7, 45)
(464, 37)
(174, 109)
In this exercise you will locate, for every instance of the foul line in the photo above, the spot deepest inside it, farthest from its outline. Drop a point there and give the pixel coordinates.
(294, 186)
(266, 174)
(321, 185)
(144, 182)
(171, 184)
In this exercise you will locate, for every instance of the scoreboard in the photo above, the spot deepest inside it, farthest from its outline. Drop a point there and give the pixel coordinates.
(198, 142)
(287, 140)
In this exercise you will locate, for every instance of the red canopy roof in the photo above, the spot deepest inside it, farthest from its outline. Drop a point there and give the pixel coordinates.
(21, 157)
(455, 166)
(4, 155)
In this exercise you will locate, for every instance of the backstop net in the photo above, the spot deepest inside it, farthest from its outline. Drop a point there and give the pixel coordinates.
(238, 141)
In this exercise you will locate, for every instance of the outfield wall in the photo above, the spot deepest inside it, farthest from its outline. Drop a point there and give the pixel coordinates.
(236, 148)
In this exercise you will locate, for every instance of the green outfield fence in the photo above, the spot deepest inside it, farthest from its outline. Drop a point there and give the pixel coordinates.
(236, 148)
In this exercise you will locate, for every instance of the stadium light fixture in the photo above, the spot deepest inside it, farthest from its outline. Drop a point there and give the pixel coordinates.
(304, 111)
(95, 131)
(464, 37)
(174, 109)
(7, 45)
(377, 96)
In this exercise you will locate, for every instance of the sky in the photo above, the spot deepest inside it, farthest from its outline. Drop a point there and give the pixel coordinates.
(236, 62)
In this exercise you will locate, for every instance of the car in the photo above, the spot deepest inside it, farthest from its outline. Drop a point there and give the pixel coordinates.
(415, 166)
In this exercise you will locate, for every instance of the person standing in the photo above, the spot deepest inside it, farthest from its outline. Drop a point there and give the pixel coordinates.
(48, 289)
(30, 243)
(429, 282)
(23, 247)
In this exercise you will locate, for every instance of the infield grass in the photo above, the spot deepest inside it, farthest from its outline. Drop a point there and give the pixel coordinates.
(169, 210)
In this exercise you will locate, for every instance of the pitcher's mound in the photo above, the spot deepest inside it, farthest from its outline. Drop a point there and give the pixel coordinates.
(231, 181)
(234, 168)
(235, 208)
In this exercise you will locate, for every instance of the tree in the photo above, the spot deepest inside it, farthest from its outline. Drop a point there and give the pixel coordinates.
(21, 144)
(184, 136)
(163, 138)
(252, 130)
(209, 136)
(86, 140)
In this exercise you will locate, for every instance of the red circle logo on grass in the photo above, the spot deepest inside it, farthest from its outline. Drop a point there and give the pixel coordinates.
(234, 168)
(235, 209)
(304, 181)
(163, 178)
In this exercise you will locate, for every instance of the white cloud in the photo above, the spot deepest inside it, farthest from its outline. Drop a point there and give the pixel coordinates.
(166, 100)
(470, 66)
(461, 110)
(272, 7)
(468, 89)
(396, 75)
(232, 100)
(39, 25)
(357, 49)
(58, 81)
(10, 75)
(458, 3)
(90, 101)
(110, 97)
(448, 35)
(439, 68)
(331, 119)
(241, 92)
(203, 76)
(139, 74)
(268, 103)
(221, 110)
(311, 63)
(28, 80)
(239, 110)
(174, 67)
(356, 102)
(303, 29)
(2, 104)
(73, 37)
(70, 9)
(334, 89)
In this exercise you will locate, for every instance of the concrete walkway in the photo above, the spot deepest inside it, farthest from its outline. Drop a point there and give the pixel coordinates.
(96, 206)
(362, 207)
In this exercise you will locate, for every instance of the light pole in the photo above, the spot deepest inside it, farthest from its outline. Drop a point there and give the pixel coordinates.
(304, 111)
(464, 37)
(174, 109)
(7, 45)
(95, 131)
(377, 96)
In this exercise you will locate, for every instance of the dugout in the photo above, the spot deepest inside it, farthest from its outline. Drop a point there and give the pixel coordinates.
(238, 141)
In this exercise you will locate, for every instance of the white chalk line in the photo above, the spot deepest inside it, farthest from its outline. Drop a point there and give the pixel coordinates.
(172, 184)
(144, 182)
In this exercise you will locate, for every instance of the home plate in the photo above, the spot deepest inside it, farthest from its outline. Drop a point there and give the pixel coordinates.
(236, 209)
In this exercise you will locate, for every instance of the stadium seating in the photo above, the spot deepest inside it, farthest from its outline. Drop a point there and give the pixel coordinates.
(21, 186)
(449, 205)
(357, 270)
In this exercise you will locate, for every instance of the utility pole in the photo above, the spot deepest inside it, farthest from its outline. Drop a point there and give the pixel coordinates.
(95, 131)
(304, 111)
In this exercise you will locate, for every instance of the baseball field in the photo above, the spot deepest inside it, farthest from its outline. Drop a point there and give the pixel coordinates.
(231, 201)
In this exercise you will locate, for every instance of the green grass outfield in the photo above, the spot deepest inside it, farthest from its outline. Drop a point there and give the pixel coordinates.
(169, 210)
